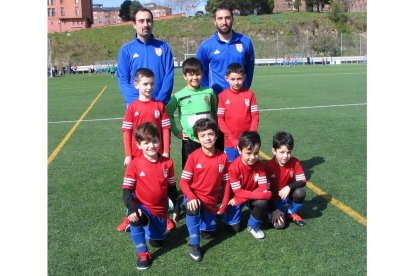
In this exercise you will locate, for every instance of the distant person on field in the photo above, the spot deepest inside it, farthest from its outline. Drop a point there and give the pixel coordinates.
(148, 52)
(237, 110)
(248, 187)
(287, 181)
(203, 175)
(193, 102)
(144, 109)
(148, 183)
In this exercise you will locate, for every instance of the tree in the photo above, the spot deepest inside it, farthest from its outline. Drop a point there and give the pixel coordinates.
(337, 12)
(297, 4)
(126, 9)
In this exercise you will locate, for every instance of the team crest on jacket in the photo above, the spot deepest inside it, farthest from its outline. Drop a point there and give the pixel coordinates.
(239, 47)
(136, 114)
(292, 173)
(158, 51)
(165, 172)
(256, 177)
(221, 168)
(247, 102)
(207, 99)
(156, 114)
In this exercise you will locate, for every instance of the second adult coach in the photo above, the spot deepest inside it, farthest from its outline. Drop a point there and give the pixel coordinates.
(144, 51)
(223, 48)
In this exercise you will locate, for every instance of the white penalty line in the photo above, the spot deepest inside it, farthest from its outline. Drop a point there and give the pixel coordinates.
(260, 110)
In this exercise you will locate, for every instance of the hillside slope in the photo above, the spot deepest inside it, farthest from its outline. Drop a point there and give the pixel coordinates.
(294, 32)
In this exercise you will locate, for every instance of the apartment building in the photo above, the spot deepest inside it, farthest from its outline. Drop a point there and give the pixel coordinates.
(69, 15)
(158, 10)
(103, 16)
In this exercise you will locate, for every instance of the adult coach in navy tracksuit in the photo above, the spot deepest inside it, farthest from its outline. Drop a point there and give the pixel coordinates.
(221, 49)
(144, 51)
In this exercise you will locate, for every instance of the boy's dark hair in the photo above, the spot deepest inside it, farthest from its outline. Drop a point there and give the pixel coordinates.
(220, 8)
(249, 139)
(143, 72)
(134, 13)
(192, 65)
(146, 132)
(235, 68)
(283, 138)
(203, 125)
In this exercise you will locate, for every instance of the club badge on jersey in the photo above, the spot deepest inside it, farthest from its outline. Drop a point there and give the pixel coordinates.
(165, 173)
(156, 114)
(158, 51)
(247, 102)
(239, 47)
(221, 168)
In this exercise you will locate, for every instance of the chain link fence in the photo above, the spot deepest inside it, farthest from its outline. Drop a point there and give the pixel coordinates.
(278, 46)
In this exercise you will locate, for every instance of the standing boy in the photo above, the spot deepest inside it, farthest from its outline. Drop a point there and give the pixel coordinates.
(193, 103)
(144, 109)
(203, 175)
(149, 181)
(237, 110)
(287, 181)
(249, 186)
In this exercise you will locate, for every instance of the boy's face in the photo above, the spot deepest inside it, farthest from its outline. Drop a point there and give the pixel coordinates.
(249, 156)
(235, 81)
(193, 79)
(207, 139)
(145, 86)
(150, 148)
(282, 155)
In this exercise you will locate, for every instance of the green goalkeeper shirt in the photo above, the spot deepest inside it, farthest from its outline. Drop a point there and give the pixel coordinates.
(192, 105)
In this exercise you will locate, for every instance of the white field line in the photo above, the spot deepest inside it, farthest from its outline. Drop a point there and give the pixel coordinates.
(316, 74)
(260, 110)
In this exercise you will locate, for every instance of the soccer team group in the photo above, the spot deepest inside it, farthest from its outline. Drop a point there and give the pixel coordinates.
(219, 118)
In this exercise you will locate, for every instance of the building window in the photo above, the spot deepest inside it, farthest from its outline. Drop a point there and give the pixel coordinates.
(53, 2)
(76, 10)
(51, 12)
(62, 11)
(76, 1)
(62, 1)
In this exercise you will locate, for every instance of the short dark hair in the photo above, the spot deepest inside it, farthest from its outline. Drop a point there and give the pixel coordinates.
(235, 68)
(203, 125)
(146, 132)
(283, 138)
(143, 9)
(143, 72)
(192, 65)
(222, 7)
(249, 139)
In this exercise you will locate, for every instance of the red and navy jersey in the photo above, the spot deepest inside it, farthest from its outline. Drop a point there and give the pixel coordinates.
(246, 180)
(203, 176)
(237, 112)
(150, 181)
(140, 112)
(280, 176)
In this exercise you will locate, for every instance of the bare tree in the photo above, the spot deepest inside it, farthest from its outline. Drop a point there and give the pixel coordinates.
(183, 6)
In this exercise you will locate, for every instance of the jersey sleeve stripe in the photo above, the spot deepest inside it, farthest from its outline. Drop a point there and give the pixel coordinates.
(300, 177)
(235, 185)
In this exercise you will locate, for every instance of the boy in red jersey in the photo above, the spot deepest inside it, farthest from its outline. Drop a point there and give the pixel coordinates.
(248, 186)
(204, 173)
(144, 109)
(149, 181)
(237, 110)
(287, 181)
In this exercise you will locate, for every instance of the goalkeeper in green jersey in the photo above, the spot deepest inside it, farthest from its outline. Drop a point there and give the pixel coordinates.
(193, 102)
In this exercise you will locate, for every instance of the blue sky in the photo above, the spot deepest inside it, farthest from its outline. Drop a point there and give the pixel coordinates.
(117, 3)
